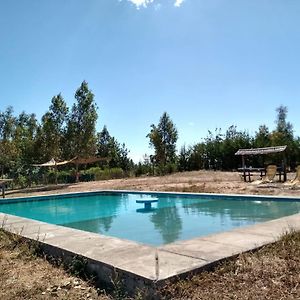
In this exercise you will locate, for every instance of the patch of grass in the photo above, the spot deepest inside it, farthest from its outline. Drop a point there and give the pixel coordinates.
(273, 272)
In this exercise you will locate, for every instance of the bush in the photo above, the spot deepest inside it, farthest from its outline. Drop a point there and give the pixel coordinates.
(104, 174)
(166, 169)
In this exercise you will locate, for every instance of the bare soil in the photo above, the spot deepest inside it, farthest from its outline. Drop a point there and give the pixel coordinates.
(196, 181)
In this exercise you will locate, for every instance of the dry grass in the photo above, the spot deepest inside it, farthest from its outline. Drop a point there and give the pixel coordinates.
(24, 275)
(273, 272)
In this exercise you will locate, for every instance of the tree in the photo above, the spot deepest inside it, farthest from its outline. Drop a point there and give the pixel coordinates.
(183, 158)
(233, 141)
(281, 124)
(8, 150)
(283, 135)
(108, 146)
(53, 128)
(81, 125)
(103, 142)
(163, 138)
(7, 124)
(262, 137)
(213, 153)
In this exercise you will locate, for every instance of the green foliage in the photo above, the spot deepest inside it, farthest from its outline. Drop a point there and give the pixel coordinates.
(51, 132)
(81, 125)
(108, 146)
(218, 149)
(63, 134)
(163, 138)
(105, 174)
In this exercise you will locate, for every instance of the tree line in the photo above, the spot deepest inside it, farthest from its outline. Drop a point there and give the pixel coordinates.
(218, 148)
(66, 132)
(62, 133)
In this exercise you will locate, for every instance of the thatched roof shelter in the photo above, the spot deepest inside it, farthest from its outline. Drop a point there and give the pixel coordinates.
(261, 151)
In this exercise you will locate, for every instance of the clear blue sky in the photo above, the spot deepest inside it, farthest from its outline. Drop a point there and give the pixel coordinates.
(207, 63)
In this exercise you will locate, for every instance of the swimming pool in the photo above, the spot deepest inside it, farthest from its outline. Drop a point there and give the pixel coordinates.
(174, 217)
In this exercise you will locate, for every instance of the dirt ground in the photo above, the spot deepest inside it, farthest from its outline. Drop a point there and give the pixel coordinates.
(196, 181)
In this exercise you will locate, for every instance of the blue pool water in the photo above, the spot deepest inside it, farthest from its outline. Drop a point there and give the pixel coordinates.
(172, 218)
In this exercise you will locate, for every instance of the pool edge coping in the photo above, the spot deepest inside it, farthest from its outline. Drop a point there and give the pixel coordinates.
(217, 195)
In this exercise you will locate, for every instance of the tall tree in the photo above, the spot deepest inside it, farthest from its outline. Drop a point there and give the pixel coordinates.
(262, 137)
(81, 128)
(283, 134)
(53, 128)
(183, 158)
(103, 142)
(8, 149)
(108, 146)
(163, 138)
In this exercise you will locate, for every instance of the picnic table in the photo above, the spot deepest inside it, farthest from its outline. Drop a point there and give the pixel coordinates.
(3, 183)
(247, 173)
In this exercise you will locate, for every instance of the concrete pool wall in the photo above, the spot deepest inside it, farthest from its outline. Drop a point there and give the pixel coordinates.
(142, 266)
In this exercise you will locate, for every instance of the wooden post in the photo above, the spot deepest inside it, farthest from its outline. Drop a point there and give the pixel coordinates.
(77, 174)
(3, 190)
(284, 168)
(244, 166)
(55, 169)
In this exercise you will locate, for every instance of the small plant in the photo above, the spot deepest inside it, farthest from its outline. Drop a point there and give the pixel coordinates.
(78, 266)
(118, 291)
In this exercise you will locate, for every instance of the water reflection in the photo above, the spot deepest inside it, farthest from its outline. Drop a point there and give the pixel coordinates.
(240, 209)
(146, 210)
(167, 221)
(104, 213)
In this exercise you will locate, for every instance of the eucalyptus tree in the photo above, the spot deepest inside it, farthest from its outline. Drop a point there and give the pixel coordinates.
(25, 137)
(53, 128)
(81, 125)
(8, 149)
(284, 135)
(163, 138)
(103, 142)
(108, 146)
(262, 137)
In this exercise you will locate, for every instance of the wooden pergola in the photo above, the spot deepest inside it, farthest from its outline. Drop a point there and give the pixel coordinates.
(262, 151)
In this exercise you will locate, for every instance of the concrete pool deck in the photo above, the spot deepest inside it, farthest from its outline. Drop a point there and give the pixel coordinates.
(135, 263)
